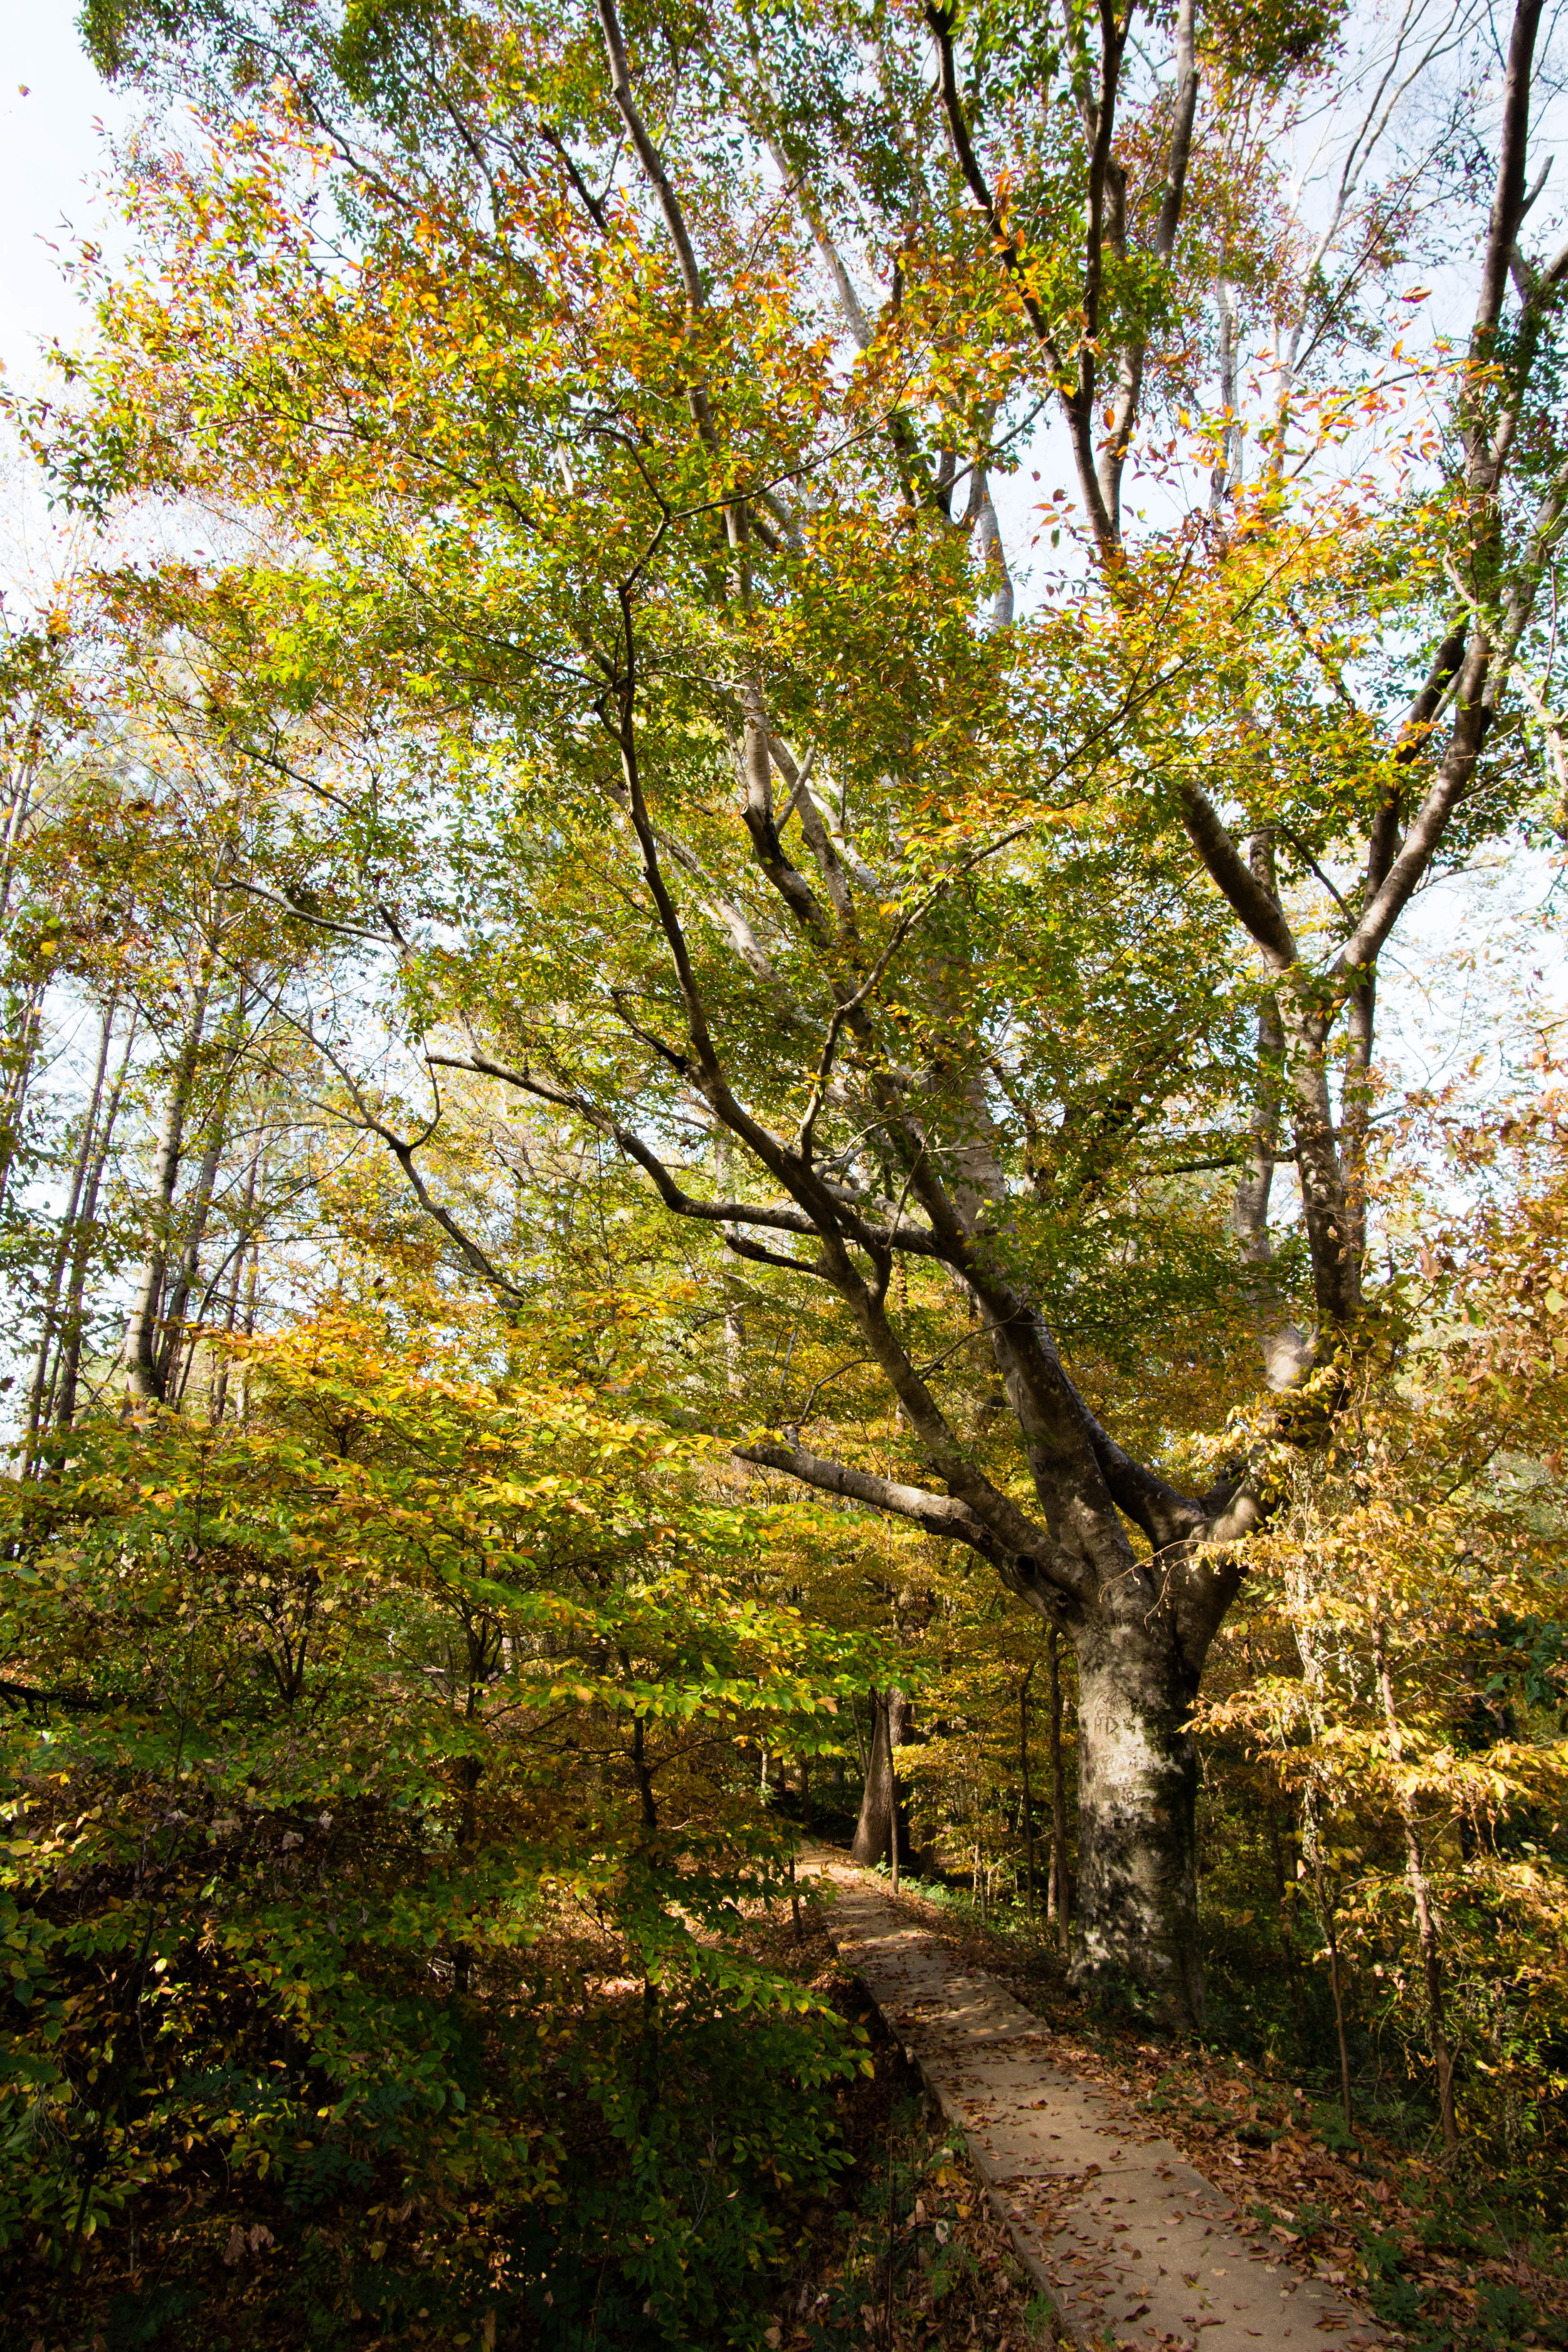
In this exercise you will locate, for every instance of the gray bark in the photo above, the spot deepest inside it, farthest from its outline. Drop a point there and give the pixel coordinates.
(881, 1803)
(46, 1366)
(1060, 1902)
(62, 1407)
(1422, 1905)
(218, 1394)
(17, 1066)
(1287, 1350)
(140, 1356)
(190, 1256)
(1140, 1610)
(1138, 1781)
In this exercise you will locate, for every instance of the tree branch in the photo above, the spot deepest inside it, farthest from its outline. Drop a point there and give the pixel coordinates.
(940, 25)
(648, 155)
(1231, 874)
(1508, 201)
(939, 1514)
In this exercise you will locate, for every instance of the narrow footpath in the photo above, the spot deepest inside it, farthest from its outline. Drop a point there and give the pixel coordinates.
(1132, 2246)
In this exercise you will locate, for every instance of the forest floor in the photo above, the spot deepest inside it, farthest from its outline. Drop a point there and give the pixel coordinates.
(931, 2265)
(909, 2255)
(904, 2250)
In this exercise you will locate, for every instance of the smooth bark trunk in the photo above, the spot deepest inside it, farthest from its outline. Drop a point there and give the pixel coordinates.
(1028, 1794)
(1355, 1118)
(1137, 1928)
(140, 1358)
(1424, 1909)
(1320, 1169)
(191, 1254)
(46, 1365)
(1313, 1841)
(252, 1297)
(17, 1067)
(881, 1804)
(1060, 1902)
(62, 1404)
(218, 1394)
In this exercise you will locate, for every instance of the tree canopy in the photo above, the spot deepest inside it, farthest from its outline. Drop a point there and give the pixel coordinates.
(709, 846)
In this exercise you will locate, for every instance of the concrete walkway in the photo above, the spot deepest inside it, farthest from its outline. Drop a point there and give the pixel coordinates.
(1132, 2246)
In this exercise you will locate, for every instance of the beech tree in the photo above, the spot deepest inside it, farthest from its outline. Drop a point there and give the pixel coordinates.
(641, 396)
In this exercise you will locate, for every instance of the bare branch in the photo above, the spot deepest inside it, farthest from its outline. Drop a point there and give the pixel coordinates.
(1508, 201)
(648, 155)
(938, 1515)
(1229, 871)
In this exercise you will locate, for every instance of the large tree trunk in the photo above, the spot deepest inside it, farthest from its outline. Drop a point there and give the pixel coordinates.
(881, 1805)
(1136, 1925)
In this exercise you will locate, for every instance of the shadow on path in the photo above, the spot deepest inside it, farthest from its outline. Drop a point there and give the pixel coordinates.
(1132, 2244)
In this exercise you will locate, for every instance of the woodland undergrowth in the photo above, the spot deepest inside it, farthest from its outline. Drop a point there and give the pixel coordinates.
(1443, 2262)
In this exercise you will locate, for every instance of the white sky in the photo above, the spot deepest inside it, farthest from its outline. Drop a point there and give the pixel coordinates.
(51, 153)
(53, 158)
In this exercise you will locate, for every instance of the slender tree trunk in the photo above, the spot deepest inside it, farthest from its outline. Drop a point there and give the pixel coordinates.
(1313, 1672)
(735, 1306)
(1028, 1801)
(140, 1356)
(20, 808)
(18, 1066)
(252, 1290)
(1422, 1905)
(1060, 1897)
(642, 1774)
(217, 1394)
(1137, 1926)
(1431, 1967)
(1284, 1891)
(191, 1254)
(63, 1396)
(881, 1805)
(47, 1362)
(1313, 1841)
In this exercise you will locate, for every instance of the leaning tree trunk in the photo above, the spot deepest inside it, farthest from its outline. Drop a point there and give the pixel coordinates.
(881, 1805)
(1136, 1925)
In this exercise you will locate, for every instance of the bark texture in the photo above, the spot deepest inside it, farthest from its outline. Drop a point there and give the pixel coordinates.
(142, 1354)
(881, 1803)
(1138, 1908)
(1060, 1906)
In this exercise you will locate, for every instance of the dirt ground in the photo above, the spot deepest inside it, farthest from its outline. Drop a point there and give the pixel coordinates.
(1422, 2249)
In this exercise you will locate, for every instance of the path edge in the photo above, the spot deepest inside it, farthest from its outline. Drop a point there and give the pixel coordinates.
(1001, 2205)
